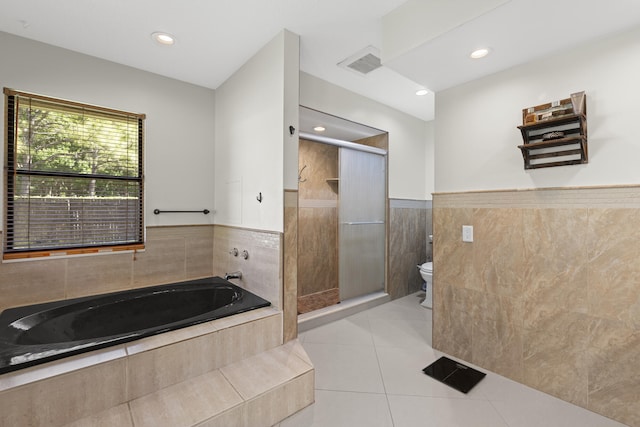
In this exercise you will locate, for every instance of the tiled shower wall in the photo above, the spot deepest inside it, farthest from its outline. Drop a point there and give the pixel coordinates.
(318, 226)
(409, 227)
(548, 294)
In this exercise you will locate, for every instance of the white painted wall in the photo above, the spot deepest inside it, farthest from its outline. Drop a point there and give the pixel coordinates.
(410, 144)
(250, 134)
(179, 128)
(477, 138)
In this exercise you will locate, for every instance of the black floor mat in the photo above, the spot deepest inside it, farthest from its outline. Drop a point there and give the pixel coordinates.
(454, 374)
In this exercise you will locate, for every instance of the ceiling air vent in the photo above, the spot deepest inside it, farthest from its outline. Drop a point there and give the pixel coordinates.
(363, 62)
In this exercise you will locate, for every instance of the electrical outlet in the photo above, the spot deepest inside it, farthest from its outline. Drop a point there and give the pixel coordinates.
(467, 233)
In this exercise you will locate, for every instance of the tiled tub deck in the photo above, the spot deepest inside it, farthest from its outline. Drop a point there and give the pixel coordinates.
(233, 371)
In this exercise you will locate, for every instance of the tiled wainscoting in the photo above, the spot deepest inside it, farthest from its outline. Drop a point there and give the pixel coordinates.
(409, 227)
(231, 371)
(172, 254)
(548, 294)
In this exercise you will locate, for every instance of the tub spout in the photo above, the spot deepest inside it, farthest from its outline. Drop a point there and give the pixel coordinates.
(234, 275)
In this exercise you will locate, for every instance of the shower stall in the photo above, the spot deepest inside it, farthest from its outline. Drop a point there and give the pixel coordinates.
(342, 211)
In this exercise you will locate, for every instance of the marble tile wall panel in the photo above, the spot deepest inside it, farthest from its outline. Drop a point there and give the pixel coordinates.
(317, 249)
(321, 161)
(171, 254)
(548, 293)
(407, 246)
(290, 266)
(262, 271)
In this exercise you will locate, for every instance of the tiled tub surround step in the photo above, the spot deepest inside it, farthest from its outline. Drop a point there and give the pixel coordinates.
(94, 388)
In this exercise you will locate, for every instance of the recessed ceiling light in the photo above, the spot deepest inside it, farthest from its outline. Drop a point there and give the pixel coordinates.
(163, 38)
(319, 129)
(480, 53)
(422, 92)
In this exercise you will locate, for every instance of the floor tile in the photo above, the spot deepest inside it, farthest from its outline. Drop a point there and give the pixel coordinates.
(413, 411)
(345, 367)
(369, 373)
(548, 411)
(396, 332)
(402, 374)
(343, 409)
(353, 330)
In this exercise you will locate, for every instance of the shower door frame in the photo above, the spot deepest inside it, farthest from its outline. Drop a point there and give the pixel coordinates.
(374, 150)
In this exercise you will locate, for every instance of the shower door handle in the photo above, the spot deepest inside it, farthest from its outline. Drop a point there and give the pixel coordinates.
(362, 222)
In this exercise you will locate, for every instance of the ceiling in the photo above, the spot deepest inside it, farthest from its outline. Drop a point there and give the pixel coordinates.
(215, 37)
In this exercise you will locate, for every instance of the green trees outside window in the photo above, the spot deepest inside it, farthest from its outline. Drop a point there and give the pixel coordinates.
(74, 176)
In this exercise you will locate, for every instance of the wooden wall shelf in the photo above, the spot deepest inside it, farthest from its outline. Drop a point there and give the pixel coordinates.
(556, 141)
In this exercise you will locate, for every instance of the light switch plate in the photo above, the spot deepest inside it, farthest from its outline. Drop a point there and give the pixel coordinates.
(467, 233)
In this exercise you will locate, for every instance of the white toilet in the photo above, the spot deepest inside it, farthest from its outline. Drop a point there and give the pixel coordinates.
(426, 271)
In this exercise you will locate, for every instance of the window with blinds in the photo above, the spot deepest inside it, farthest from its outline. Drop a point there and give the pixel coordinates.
(74, 181)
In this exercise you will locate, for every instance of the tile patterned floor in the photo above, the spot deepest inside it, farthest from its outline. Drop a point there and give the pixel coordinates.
(369, 374)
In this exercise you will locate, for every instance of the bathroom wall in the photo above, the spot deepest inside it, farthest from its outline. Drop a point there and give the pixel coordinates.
(179, 246)
(317, 226)
(178, 158)
(255, 154)
(250, 137)
(548, 293)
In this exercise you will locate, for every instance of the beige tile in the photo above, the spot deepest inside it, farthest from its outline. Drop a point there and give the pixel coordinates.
(234, 417)
(249, 339)
(497, 346)
(78, 394)
(117, 416)
(56, 368)
(259, 374)
(290, 266)
(614, 372)
(261, 272)
(453, 263)
(249, 316)
(499, 250)
(153, 370)
(163, 261)
(452, 331)
(187, 403)
(281, 402)
(614, 271)
(557, 365)
(171, 337)
(223, 343)
(32, 282)
(199, 252)
(556, 253)
(194, 331)
(91, 275)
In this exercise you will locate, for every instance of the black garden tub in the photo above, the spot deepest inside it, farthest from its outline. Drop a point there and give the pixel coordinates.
(41, 333)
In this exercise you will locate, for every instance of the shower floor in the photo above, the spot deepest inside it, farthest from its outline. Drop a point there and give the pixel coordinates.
(318, 300)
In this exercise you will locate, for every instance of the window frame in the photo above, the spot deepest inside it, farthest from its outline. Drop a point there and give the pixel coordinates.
(10, 165)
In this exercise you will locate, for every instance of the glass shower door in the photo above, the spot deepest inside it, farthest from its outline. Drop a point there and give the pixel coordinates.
(362, 216)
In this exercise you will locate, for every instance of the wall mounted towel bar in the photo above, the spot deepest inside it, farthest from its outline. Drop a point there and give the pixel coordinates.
(158, 211)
